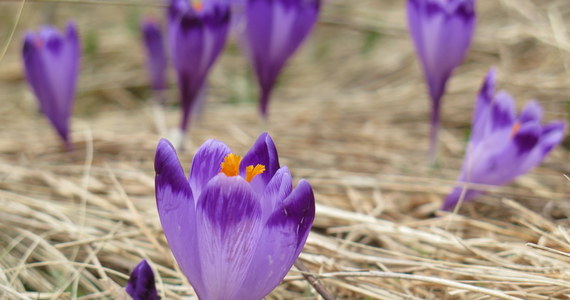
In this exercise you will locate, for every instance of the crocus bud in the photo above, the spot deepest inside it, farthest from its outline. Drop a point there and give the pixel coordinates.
(196, 36)
(441, 31)
(51, 65)
(141, 284)
(274, 31)
(235, 225)
(156, 55)
(502, 145)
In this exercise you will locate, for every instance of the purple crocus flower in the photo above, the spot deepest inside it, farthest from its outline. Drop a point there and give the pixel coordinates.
(502, 145)
(156, 54)
(274, 30)
(141, 284)
(51, 65)
(235, 226)
(197, 34)
(441, 31)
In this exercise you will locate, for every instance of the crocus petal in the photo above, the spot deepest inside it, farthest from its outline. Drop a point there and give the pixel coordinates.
(177, 213)
(483, 107)
(492, 131)
(229, 227)
(196, 39)
(277, 190)
(532, 112)
(527, 137)
(503, 112)
(206, 164)
(552, 135)
(274, 31)
(283, 238)
(141, 284)
(262, 152)
(51, 62)
(546, 138)
(156, 54)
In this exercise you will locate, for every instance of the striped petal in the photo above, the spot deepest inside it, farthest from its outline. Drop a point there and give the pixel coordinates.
(229, 228)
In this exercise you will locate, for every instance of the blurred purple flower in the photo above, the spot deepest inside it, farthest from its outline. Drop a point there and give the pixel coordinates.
(141, 284)
(441, 31)
(274, 30)
(502, 145)
(51, 65)
(235, 226)
(156, 54)
(197, 34)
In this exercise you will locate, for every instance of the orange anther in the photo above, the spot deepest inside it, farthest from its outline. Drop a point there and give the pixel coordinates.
(230, 165)
(252, 171)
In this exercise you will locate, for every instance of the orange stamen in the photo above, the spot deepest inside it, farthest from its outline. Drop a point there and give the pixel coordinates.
(197, 5)
(252, 171)
(516, 128)
(230, 165)
(38, 43)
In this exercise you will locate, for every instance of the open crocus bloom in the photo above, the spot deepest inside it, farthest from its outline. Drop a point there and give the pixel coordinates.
(502, 145)
(235, 226)
(196, 35)
(51, 65)
(441, 31)
(274, 30)
(141, 284)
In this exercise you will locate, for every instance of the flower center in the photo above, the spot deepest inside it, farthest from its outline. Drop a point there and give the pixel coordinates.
(230, 167)
(38, 43)
(516, 128)
(197, 5)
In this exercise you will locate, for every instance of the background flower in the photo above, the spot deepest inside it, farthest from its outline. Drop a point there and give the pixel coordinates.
(51, 65)
(274, 30)
(196, 35)
(441, 31)
(502, 145)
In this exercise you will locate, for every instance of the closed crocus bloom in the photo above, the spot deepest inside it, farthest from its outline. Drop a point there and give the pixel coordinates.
(156, 54)
(503, 145)
(274, 30)
(441, 31)
(51, 65)
(197, 34)
(141, 284)
(235, 225)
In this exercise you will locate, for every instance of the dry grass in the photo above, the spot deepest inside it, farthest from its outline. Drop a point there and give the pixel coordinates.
(350, 116)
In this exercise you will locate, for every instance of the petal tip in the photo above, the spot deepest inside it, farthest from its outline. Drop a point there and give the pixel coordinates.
(141, 284)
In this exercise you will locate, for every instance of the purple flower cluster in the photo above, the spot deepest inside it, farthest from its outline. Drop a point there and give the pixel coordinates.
(235, 225)
(503, 145)
(197, 34)
(274, 29)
